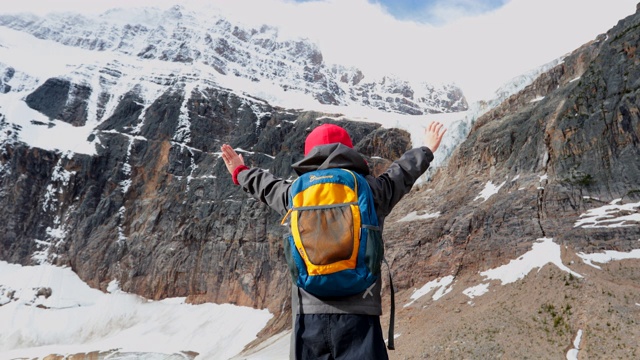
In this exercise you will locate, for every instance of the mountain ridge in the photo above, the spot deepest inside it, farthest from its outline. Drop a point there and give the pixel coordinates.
(258, 55)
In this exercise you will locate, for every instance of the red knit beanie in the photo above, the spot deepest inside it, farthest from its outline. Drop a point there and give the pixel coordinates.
(326, 134)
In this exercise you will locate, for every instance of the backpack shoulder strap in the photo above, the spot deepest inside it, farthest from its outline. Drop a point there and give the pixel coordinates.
(392, 312)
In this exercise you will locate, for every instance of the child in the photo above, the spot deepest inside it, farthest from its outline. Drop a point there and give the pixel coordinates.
(345, 327)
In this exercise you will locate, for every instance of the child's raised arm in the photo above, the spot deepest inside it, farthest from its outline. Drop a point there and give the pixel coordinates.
(433, 135)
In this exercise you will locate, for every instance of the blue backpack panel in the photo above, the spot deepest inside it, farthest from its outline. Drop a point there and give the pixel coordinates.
(335, 247)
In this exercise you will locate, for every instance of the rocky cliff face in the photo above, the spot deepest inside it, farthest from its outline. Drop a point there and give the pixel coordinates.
(161, 215)
(566, 144)
(563, 145)
(154, 206)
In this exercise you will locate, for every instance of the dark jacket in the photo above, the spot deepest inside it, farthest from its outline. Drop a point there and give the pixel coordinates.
(387, 189)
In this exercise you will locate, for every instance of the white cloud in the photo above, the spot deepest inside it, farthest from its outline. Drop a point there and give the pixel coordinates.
(41, 7)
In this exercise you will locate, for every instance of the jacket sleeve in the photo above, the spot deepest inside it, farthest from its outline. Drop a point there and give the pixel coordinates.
(264, 186)
(399, 178)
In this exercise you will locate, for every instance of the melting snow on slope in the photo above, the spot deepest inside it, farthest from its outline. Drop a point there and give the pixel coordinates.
(412, 216)
(489, 190)
(544, 251)
(76, 318)
(607, 256)
(441, 284)
(610, 216)
(477, 290)
(572, 354)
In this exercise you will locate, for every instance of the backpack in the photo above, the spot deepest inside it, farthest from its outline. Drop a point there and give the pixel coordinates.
(335, 246)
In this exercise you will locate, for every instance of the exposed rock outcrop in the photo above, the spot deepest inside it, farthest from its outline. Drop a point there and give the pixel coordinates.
(161, 215)
(566, 144)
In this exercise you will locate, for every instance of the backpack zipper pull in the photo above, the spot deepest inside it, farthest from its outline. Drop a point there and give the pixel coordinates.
(286, 216)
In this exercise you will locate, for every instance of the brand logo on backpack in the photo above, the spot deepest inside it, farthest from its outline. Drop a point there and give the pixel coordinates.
(335, 247)
(316, 178)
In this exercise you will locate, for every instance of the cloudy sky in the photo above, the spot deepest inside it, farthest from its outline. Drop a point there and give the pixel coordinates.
(478, 44)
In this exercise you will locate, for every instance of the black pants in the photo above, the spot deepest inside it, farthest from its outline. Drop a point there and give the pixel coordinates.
(339, 337)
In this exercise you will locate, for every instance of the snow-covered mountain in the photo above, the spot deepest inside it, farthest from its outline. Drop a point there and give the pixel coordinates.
(202, 46)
